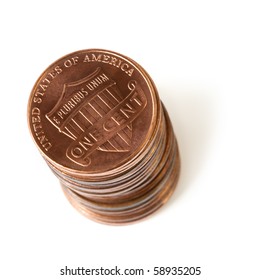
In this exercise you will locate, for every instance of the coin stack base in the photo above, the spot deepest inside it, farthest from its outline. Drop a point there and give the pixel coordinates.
(98, 122)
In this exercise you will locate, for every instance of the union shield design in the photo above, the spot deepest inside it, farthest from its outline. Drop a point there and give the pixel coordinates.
(93, 113)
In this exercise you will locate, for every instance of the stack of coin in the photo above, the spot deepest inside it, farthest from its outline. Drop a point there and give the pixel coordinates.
(97, 120)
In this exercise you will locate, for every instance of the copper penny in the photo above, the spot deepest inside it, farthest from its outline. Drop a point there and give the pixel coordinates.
(92, 110)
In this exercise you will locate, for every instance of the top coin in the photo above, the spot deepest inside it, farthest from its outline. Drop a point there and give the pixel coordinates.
(92, 111)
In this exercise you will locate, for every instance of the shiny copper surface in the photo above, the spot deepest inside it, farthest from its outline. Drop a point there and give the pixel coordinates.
(97, 120)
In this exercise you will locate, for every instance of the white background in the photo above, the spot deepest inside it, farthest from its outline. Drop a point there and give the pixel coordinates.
(204, 57)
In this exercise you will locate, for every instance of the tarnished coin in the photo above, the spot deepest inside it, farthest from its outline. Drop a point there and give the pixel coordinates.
(98, 122)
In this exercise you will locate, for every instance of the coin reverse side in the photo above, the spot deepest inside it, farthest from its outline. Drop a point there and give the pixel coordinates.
(92, 111)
